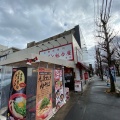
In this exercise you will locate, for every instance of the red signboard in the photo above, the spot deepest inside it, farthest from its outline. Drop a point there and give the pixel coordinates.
(86, 75)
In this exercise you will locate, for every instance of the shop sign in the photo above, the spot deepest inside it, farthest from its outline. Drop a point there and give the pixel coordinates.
(77, 85)
(17, 95)
(86, 75)
(44, 94)
(58, 88)
(63, 52)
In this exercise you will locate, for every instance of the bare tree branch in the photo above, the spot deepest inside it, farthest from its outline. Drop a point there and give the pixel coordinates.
(110, 34)
(112, 52)
(104, 61)
(110, 39)
(100, 37)
(98, 25)
(99, 31)
(105, 11)
(104, 57)
(109, 7)
(102, 7)
(103, 49)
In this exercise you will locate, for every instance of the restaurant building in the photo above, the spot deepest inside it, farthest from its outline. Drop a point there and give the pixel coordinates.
(41, 76)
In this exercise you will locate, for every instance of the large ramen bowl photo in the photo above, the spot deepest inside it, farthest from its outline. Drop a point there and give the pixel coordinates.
(43, 108)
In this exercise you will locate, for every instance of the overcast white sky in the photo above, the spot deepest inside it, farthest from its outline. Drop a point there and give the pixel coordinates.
(23, 21)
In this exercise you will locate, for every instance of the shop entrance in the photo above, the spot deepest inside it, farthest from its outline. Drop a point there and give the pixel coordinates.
(69, 78)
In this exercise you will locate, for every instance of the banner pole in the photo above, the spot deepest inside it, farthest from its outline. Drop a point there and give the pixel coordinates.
(63, 83)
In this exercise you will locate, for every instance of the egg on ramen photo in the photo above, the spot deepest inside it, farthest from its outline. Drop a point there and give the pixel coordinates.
(17, 107)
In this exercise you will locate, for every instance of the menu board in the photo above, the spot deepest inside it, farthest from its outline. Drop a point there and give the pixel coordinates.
(17, 95)
(78, 85)
(44, 94)
(58, 88)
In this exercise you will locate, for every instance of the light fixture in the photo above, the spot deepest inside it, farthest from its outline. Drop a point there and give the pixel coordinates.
(58, 42)
(51, 44)
(65, 38)
(39, 47)
(45, 46)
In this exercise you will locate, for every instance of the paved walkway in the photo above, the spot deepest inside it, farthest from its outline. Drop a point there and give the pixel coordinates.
(60, 115)
(94, 104)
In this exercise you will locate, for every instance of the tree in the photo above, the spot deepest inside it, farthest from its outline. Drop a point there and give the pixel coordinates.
(117, 54)
(99, 62)
(118, 49)
(106, 35)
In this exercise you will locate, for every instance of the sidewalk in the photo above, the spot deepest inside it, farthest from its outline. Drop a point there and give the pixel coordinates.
(74, 97)
(60, 115)
(94, 104)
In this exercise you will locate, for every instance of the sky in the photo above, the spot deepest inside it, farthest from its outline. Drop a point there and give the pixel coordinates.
(24, 21)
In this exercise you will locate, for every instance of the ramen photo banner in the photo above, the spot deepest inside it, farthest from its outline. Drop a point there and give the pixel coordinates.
(59, 89)
(44, 94)
(17, 95)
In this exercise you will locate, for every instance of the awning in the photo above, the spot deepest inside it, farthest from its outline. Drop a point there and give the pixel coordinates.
(82, 66)
(21, 59)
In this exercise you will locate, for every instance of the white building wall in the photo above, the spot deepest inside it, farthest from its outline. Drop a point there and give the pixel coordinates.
(84, 49)
(76, 49)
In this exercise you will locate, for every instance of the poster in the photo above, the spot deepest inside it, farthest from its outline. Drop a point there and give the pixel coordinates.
(67, 93)
(58, 88)
(44, 94)
(17, 95)
(77, 85)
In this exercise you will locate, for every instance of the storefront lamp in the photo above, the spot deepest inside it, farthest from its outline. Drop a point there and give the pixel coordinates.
(57, 42)
(65, 39)
(51, 44)
(39, 47)
(45, 46)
